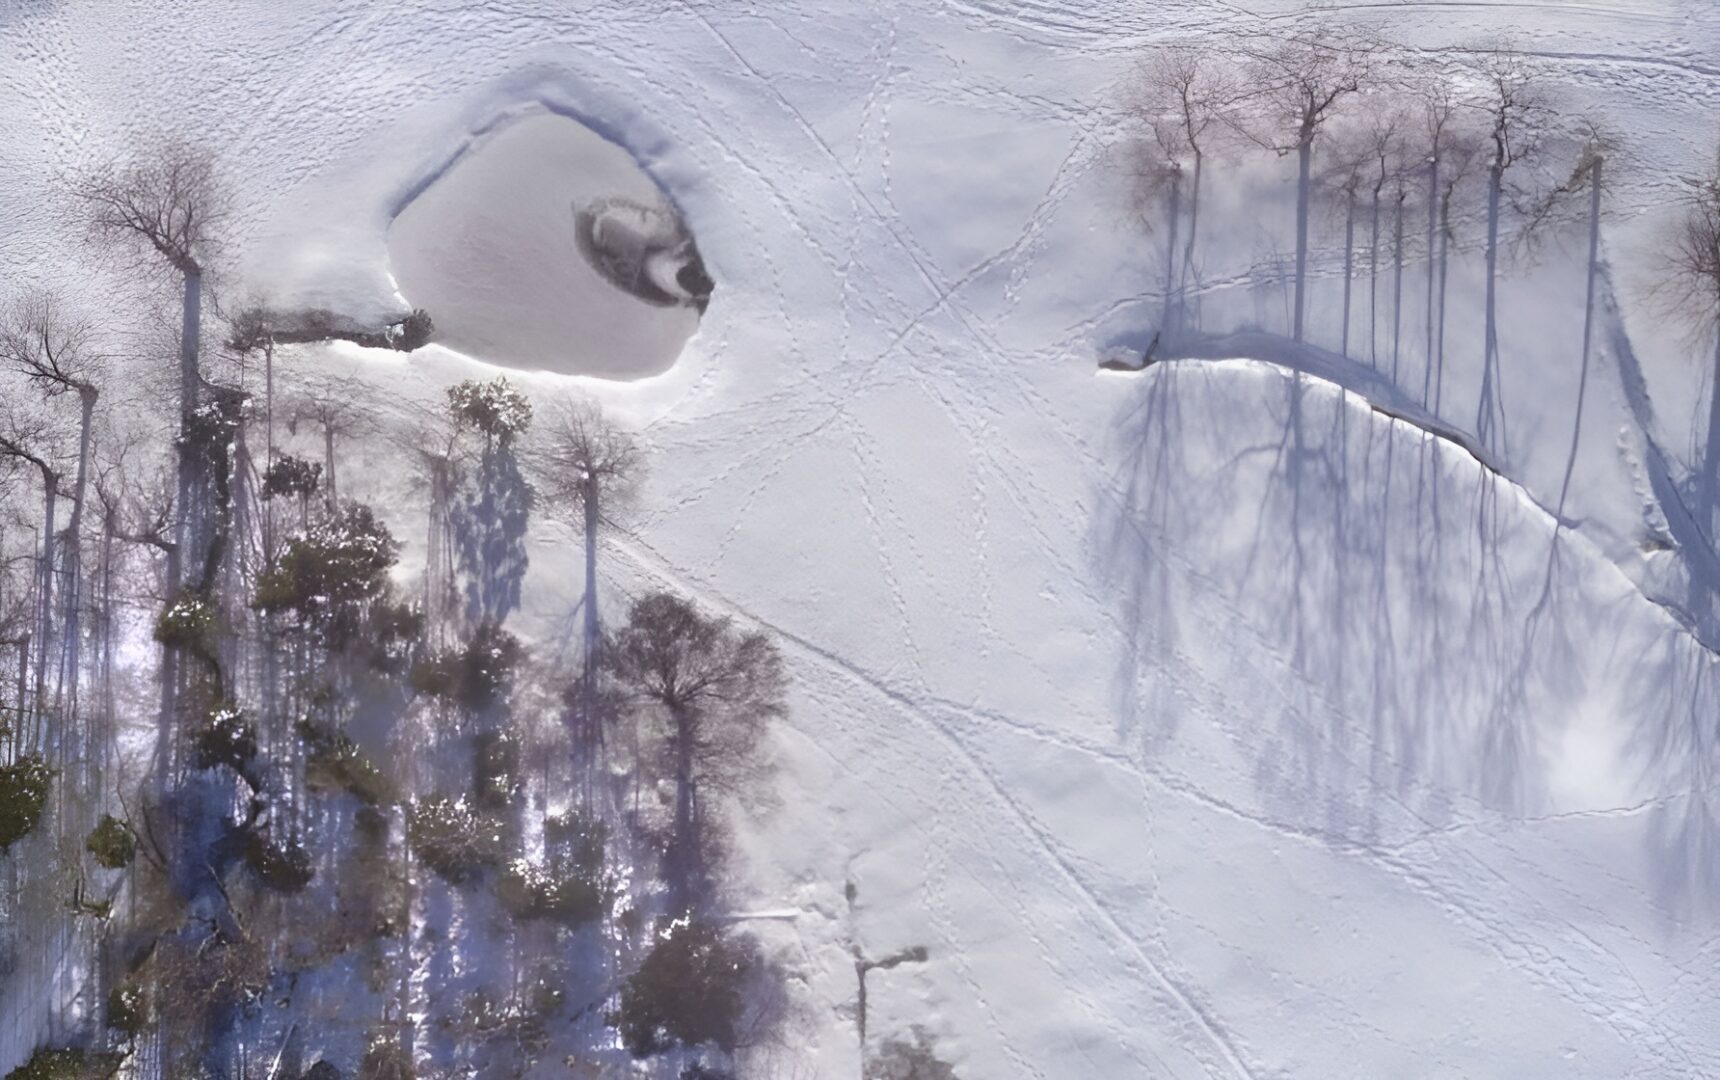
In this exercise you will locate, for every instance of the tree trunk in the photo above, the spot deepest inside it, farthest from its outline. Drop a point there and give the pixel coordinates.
(1349, 264)
(70, 659)
(1588, 338)
(186, 531)
(1188, 274)
(1397, 286)
(1168, 324)
(1304, 163)
(269, 450)
(328, 462)
(1432, 213)
(590, 724)
(1444, 267)
(1490, 350)
(680, 869)
(1373, 282)
(45, 597)
(1710, 492)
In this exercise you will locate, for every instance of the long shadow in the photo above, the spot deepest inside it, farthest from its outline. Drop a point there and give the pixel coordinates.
(1397, 650)
(1677, 733)
(489, 521)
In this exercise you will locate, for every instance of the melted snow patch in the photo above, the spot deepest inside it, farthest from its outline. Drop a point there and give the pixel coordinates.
(518, 253)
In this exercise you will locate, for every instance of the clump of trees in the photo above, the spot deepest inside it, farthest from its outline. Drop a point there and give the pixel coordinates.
(1404, 153)
(351, 781)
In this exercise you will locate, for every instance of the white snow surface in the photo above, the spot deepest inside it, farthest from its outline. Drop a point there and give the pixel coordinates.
(1202, 722)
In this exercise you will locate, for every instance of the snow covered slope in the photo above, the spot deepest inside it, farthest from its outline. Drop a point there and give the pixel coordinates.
(1202, 722)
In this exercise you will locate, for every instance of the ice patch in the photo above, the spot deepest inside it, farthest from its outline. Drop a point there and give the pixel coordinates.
(501, 249)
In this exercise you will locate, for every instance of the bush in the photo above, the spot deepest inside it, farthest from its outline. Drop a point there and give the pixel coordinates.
(285, 868)
(393, 635)
(216, 421)
(531, 892)
(476, 676)
(453, 841)
(292, 476)
(66, 1064)
(386, 1059)
(329, 574)
(112, 843)
(226, 738)
(23, 794)
(413, 332)
(322, 1070)
(334, 762)
(900, 1060)
(127, 1009)
(494, 408)
(688, 991)
(187, 622)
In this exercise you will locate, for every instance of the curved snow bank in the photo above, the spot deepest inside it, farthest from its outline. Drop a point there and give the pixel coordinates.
(518, 254)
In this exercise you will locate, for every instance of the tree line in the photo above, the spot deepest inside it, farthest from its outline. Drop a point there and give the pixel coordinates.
(1411, 158)
(271, 805)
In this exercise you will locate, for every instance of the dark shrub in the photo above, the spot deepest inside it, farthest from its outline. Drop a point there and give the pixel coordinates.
(329, 576)
(283, 867)
(187, 622)
(495, 408)
(476, 676)
(112, 843)
(226, 738)
(67, 1065)
(333, 762)
(451, 840)
(23, 794)
(292, 476)
(531, 892)
(127, 1009)
(413, 331)
(688, 991)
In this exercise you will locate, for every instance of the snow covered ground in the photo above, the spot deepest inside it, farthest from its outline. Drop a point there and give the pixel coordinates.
(1203, 722)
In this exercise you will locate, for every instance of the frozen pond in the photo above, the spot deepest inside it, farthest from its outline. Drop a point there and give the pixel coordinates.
(545, 247)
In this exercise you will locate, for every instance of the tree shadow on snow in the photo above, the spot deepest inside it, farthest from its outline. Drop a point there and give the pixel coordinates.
(489, 522)
(1301, 550)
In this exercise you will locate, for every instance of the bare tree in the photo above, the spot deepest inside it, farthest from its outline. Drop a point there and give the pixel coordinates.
(53, 352)
(1341, 181)
(1438, 108)
(593, 466)
(1383, 139)
(28, 440)
(1300, 82)
(1689, 284)
(1592, 144)
(338, 407)
(168, 204)
(1183, 95)
(1517, 117)
(1459, 162)
(718, 688)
